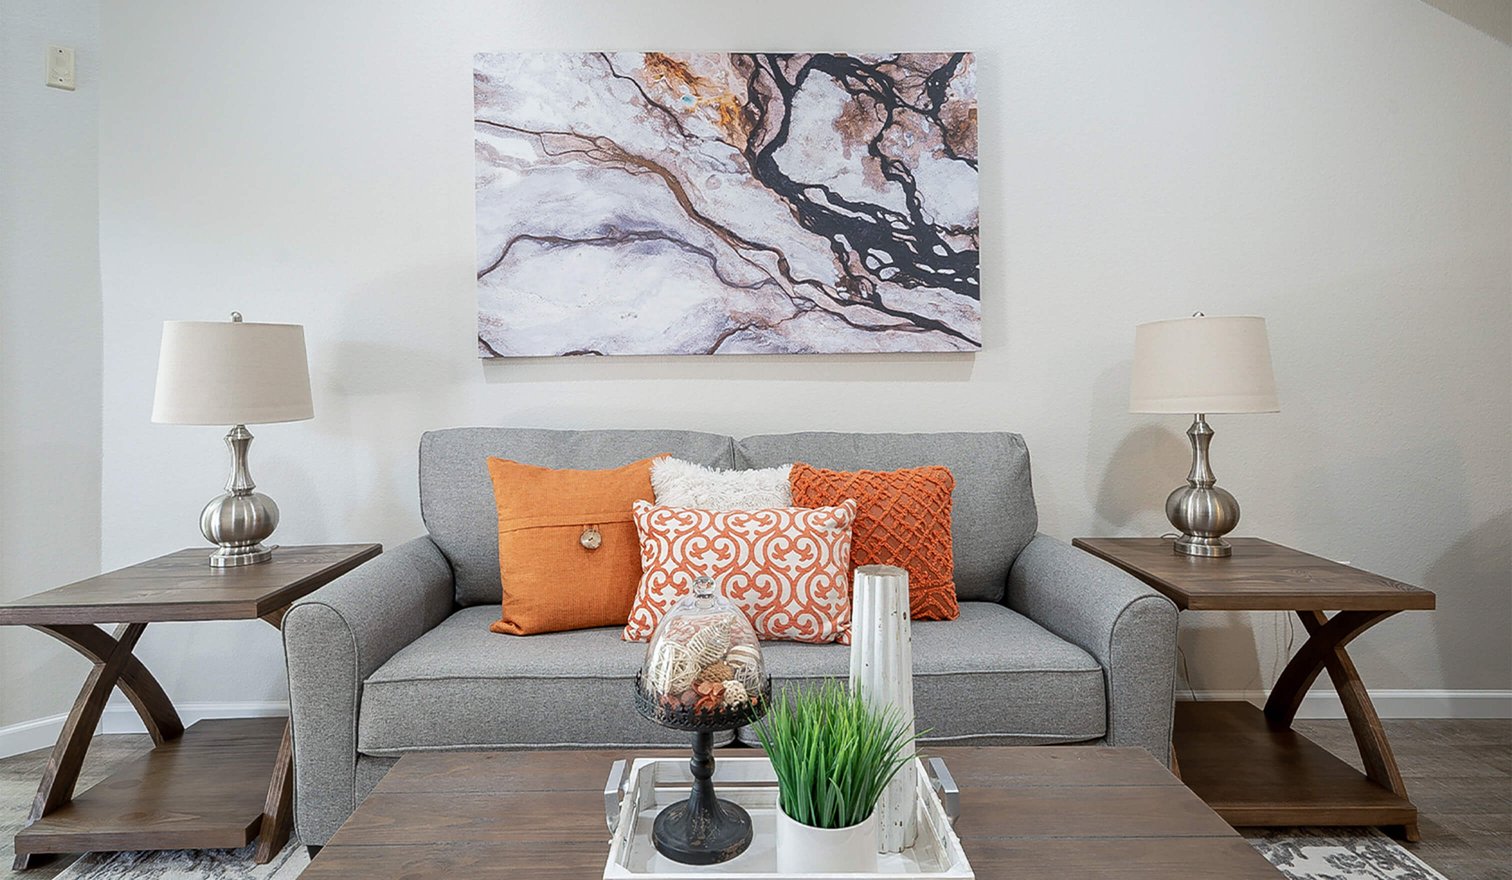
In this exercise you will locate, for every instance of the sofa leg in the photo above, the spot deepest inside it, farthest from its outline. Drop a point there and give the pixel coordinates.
(313, 851)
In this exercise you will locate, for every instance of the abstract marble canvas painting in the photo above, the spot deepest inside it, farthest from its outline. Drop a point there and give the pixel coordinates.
(636, 203)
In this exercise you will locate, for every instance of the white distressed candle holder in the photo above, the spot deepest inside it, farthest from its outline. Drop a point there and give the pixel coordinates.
(881, 669)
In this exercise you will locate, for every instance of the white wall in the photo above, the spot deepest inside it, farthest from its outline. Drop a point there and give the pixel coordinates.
(1341, 168)
(50, 340)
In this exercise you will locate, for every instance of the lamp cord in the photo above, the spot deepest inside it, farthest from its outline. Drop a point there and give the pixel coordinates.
(1282, 655)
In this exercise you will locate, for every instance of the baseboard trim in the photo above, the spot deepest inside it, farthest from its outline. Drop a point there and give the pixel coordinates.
(1324, 703)
(41, 733)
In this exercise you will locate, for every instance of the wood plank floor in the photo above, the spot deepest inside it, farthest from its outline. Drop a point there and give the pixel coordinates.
(18, 785)
(1459, 773)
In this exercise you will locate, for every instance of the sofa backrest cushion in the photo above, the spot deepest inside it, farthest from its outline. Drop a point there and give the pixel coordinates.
(456, 495)
(993, 514)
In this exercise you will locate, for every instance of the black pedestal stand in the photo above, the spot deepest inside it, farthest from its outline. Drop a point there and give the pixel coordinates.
(702, 830)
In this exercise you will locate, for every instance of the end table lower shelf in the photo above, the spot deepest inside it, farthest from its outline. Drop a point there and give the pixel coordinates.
(1252, 771)
(203, 790)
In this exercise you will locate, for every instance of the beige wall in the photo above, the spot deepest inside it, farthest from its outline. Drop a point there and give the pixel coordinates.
(1341, 168)
(49, 340)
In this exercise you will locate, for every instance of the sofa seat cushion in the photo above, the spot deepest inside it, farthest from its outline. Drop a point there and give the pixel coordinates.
(991, 676)
(460, 686)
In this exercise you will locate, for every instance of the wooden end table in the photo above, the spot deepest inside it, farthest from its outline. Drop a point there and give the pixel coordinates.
(1248, 764)
(1027, 812)
(207, 787)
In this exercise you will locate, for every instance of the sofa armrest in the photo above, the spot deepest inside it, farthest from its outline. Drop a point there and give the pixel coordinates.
(334, 639)
(1129, 628)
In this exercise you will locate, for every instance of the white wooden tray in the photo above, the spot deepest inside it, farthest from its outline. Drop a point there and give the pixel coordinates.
(638, 790)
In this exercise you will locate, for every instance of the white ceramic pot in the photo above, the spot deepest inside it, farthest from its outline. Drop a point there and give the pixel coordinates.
(803, 849)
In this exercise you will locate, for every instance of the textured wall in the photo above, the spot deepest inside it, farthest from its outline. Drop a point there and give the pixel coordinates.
(49, 338)
(1341, 168)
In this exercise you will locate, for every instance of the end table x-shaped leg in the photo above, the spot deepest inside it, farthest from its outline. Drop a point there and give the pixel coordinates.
(116, 666)
(1324, 649)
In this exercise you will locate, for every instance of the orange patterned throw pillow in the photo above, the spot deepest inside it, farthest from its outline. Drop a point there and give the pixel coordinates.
(787, 568)
(568, 556)
(902, 519)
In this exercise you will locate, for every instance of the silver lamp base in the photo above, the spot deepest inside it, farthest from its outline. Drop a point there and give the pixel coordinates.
(1198, 545)
(1200, 511)
(231, 557)
(241, 519)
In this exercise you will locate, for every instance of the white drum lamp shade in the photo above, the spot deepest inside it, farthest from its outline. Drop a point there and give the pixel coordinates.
(1203, 365)
(232, 373)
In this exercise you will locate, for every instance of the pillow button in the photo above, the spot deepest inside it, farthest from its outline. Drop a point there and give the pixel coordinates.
(591, 538)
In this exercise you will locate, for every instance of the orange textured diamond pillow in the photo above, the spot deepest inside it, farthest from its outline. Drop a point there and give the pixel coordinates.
(902, 519)
(787, 568)
(568, 554)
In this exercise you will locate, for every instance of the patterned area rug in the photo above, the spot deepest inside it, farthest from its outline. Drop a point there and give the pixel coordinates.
(1299, 853)
(1337, 853)
(208, 864)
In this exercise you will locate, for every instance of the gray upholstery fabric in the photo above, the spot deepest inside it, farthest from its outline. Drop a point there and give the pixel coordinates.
(1128, 627)
(370, 772)
(380, 661)
(457, 501)
(993, 513)
(460, 686)
(333, 639)
(989, 677)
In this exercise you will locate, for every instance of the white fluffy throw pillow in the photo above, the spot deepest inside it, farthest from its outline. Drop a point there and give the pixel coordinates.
(681, 483)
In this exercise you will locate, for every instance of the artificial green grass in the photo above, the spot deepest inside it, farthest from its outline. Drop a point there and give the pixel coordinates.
(833, 752)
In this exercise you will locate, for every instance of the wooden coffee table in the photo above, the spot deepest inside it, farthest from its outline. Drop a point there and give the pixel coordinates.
(1026, 812)
(1249, 764)
(202, 788)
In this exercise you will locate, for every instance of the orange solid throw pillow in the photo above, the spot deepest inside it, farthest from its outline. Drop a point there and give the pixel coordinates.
(902, 519)
(568, 553)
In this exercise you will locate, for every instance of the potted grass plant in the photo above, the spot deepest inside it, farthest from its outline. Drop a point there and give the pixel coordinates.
(834, 753)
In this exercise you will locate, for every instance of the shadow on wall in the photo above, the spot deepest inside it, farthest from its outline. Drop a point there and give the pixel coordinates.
(1141, 470)
(1218, 652)
(1147, 464)
(315, 522)
(895, 368)
(396, 363)
(1391, 511)
(1473, 580)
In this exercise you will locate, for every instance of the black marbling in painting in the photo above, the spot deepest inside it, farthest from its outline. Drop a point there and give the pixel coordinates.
(648, 203)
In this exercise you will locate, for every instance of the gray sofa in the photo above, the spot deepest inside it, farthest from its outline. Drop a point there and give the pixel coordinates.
(1052, 645)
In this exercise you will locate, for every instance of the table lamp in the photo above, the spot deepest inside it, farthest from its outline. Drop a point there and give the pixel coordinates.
(1202, 365)
(234, 373)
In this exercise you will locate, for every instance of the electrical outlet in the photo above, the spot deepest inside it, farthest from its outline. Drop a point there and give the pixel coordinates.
(60, 67)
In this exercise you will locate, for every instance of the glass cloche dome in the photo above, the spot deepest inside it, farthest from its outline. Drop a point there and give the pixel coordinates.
(703, 673)
(703, 667)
